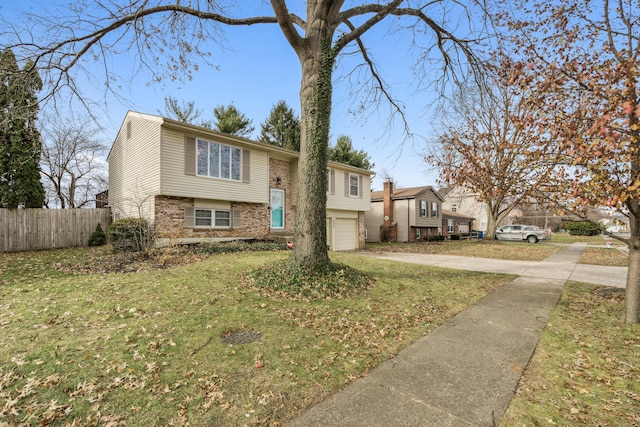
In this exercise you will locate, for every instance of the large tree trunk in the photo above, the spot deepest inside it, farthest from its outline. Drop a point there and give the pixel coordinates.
(632, 293)
(317, 59)
(490, 232)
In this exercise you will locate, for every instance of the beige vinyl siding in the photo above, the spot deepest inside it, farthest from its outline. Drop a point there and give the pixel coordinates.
(373, 220)
(403, 216)
(341, 201)
(176, 183)
(134, 167)
(467, 204)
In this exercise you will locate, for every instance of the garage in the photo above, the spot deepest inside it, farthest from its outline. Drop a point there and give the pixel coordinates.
(345, 234)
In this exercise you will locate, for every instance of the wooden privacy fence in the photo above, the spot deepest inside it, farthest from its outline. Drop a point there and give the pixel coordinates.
(33, 229)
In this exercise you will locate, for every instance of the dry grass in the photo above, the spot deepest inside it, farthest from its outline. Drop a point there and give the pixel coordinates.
(473, 248)
(604, 256)
(585, 369)
(146, 348)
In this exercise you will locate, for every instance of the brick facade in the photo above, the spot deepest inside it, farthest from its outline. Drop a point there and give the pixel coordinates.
(389, 229)
(361, 226)
(280, 177)
(255, 217)
(169, 220)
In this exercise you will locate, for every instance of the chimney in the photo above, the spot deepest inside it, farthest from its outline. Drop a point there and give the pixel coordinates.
(387, 202)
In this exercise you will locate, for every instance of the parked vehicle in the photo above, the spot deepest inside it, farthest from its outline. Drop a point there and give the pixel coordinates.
(518, 232)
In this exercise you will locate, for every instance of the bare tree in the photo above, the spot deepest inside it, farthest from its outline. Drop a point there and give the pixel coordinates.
(178, 35)
(577, 62)
(184, 112)
(72, 164)
(485, 148)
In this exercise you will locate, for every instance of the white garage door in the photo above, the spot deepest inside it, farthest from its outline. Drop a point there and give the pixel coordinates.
(346, 234)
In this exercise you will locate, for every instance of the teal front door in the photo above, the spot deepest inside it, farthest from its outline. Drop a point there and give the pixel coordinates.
(277, 209)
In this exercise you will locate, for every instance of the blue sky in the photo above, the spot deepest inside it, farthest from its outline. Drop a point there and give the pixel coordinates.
(258, 68)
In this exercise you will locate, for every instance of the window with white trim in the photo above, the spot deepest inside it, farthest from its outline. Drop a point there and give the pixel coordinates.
(218, 160)
(454, 208)
(434, 210)
(450, 226)
(331, 181)
(212, 218)
(354, 185)
(418, 233)
(423, 208)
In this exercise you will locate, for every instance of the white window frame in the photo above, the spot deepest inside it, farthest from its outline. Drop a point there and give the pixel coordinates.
(351, 186)
(454, 208)
(234, 160)
(451, 226)
(434, 210)
(215, 217)
(423, 209)
(418, 233)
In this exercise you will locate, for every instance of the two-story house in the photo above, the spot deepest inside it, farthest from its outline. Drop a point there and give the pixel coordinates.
(195, 183)
(463, 201)
(404, 214)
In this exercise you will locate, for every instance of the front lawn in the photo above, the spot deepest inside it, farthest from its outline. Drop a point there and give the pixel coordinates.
(167, 342)
(586, 369)
(473, 248)
(595, 253)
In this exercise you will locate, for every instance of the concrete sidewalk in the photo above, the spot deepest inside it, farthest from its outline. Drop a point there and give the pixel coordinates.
(465, 372)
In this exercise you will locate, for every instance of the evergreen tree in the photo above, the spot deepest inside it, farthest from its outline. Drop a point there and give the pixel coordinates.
(20, 144)
(344, 152)
(231, 120)
(281, 128)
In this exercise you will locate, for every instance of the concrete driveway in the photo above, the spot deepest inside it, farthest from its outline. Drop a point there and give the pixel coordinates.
(548, 268)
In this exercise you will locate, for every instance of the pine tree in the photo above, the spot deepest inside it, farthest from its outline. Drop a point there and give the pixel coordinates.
(231, 120)
(20, 144)
(281, 128)
(344, 152)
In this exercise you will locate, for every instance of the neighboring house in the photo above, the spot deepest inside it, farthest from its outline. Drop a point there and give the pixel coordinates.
(456, 223)
(615, 223)
(192, 182)
(102, 199)
(460, 200)
(403, 215)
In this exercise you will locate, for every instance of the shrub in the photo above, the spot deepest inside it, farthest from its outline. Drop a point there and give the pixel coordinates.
(131, 234)
(438, 238)
(97, 238)
(583, 228)
(454, 236)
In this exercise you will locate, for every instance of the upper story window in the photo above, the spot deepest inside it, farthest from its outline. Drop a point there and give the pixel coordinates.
(354, 185)
(434, 209)
(423, 208)
(218, 160)
(454, 208)
(331, 181)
